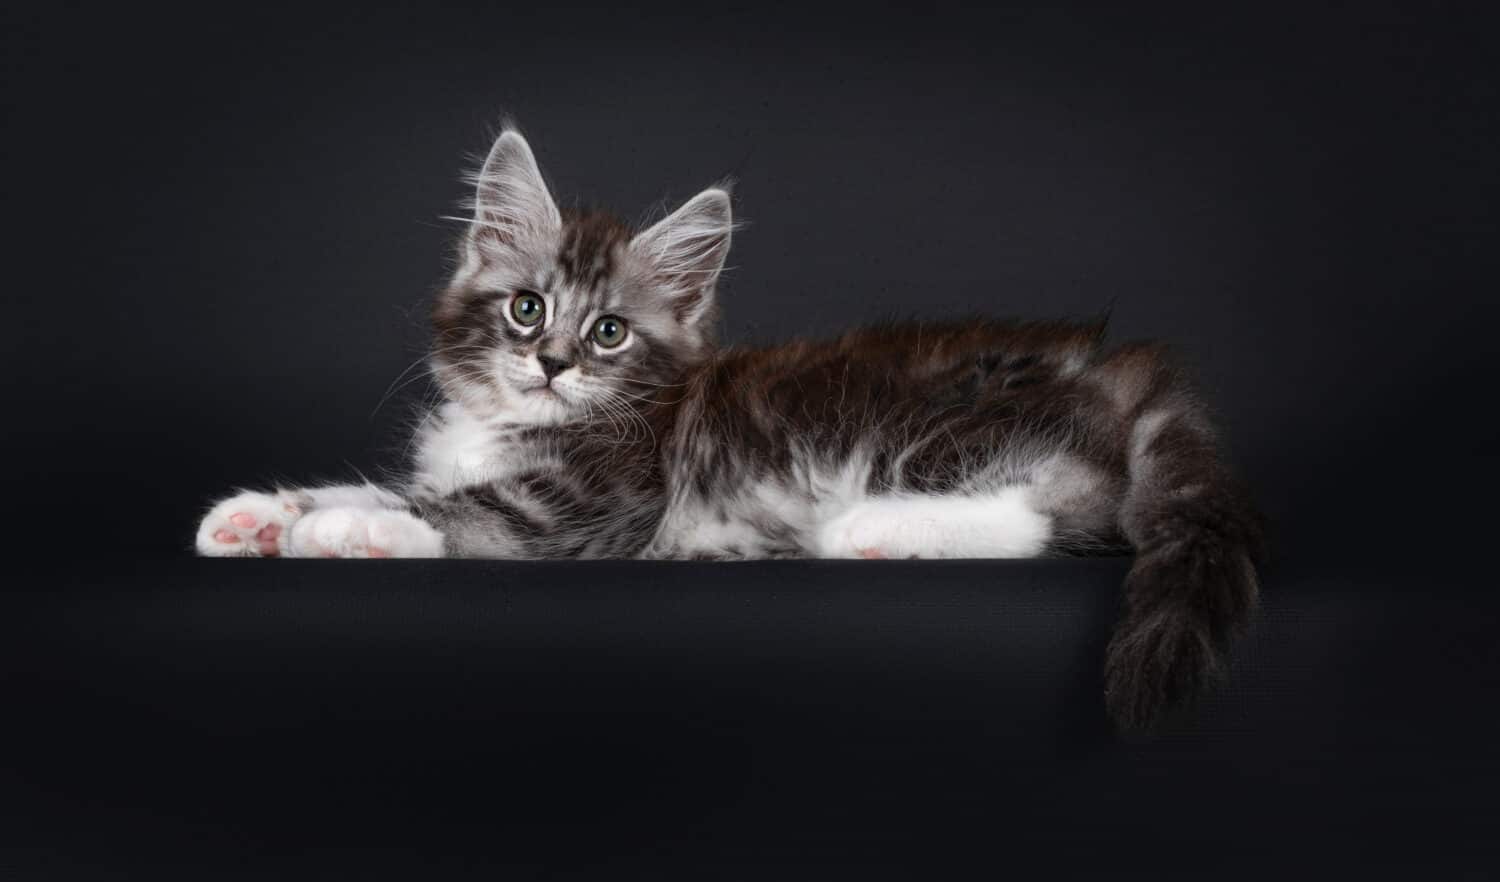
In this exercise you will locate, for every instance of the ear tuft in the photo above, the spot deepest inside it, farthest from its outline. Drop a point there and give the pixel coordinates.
(685, 251)
(511, 200)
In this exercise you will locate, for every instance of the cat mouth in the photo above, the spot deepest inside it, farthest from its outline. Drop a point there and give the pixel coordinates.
(545, 391)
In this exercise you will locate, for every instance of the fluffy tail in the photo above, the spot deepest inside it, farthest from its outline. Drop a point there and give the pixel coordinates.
(1197, 540)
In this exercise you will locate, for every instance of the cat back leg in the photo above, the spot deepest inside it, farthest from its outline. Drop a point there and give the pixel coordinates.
(999, 524)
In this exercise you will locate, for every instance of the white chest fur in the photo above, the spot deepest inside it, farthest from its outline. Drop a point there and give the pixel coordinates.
(456, 449)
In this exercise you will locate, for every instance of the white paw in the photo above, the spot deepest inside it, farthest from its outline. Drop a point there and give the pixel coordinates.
(363, 532)
(991, 525)
(248, 525)
(875, 531)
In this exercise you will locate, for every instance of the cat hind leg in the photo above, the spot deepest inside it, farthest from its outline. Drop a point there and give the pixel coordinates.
(996, 524)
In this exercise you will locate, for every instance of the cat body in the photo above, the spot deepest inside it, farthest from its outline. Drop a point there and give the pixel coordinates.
(588, 413)
(905, 440)
(916, 440)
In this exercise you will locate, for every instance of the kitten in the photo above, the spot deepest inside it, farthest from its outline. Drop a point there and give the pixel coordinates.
(589, 414)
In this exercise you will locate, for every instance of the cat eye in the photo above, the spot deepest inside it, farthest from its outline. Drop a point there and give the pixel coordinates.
(609, 331)
(527, 308)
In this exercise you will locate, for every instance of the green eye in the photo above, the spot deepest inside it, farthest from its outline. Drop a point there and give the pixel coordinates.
(610, 331)
(527, 308)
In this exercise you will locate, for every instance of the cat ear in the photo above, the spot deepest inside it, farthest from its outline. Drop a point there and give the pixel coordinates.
(512, 207)
(685, 251)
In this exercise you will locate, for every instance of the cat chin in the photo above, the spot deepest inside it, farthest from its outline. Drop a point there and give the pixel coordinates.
(537, 408)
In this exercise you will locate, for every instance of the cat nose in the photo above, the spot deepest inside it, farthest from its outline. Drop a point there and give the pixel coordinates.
(552, 365)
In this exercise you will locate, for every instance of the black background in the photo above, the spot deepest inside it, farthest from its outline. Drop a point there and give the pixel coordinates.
(223, 226)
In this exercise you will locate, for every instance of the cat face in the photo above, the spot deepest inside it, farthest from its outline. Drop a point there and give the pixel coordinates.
(557, 317)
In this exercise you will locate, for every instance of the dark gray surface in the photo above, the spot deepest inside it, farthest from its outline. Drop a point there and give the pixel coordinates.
(741, 721)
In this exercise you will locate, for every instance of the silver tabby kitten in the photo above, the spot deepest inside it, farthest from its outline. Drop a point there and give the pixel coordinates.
(588, 413)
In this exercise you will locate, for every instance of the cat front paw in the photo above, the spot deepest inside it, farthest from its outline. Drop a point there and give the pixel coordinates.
(249, 525)
(363, 533)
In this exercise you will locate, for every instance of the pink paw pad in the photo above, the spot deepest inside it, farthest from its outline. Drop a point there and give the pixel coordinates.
(871, 554)
(226, 536)
(243, 520)
(267, 538)
(377, 552)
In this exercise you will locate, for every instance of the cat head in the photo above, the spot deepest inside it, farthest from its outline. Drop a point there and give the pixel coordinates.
(555, 315)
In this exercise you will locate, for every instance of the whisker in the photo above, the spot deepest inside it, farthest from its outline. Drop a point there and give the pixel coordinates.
(634, 380)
